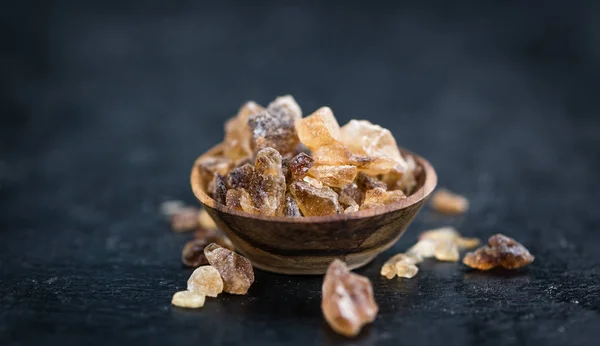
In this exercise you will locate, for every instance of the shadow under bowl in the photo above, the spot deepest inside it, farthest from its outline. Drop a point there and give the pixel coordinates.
(307, 245)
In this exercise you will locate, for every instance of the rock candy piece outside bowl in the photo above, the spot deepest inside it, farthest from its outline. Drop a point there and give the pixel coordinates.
(307, 245)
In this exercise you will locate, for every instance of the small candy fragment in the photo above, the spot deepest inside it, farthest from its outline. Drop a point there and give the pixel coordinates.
(206, 221)
(240, 177)
(446, 250)
(233, 199)
(208, 166)
(380, 197)
(347, 300)
(299, 165)
(447, 202)
(236, 271)
(314, 201)
(501, 251)
(290, 208)
(274, 127)
(336, 176)
(206, 281)
(187, 299)
(366, 182)
(351, 191)
(185, 219)
(318, 129)
(401, 265)
(237, 132)
(220, 191)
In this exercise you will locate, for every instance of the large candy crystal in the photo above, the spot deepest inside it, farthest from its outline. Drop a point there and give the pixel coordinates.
(205, 281)
(274, 127)
(501, 251)
(336, 176)
(318, 129)
(314, 201)
(236, 271)
(379, 197)
(347, 300)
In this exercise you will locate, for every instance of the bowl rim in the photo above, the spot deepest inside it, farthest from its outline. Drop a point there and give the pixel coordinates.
(422, 193)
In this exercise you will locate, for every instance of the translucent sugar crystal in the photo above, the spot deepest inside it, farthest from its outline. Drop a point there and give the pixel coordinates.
(268, 162)
(366, 182)
(274, 127)
(236, 271)
(314, 201)
(318, 129)
(206, 281)
(237, 133)
(447, 202)
(347, 300)
(362, 137)
(267, 189)
(234, 199)
(336, 176)
(380, 197)
(449, 234)
(290, 208)
(299, 166)
(209, 166)
(334, 154)
(187, 299)
(422, 249)
(446, 250)
(401, 265)
(247, 203)
(501, 251)
(241, 177)
(220, 190)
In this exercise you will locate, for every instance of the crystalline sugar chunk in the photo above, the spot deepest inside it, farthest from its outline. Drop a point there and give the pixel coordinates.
(318, 129)
(236, 271)
(314, 201)
(205, 281)
(237, 132)
(336, 176)
(299, 166)
(274, 127)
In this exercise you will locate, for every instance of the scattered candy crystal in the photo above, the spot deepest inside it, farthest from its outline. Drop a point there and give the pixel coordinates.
(347, 300)
(446, 250)
(447, 202)
(205, 281)
(236, 271)
(501, 251)
(187, 299)
(401, 265)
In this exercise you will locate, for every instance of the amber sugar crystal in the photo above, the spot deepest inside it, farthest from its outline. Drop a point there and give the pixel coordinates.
(276, 163)
(235, 270)
(501, 251)
(347, 300)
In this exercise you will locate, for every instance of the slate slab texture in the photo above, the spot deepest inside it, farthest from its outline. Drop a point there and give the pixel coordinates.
(105, 105)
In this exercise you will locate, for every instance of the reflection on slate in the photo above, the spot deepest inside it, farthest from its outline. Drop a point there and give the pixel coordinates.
(106, 104)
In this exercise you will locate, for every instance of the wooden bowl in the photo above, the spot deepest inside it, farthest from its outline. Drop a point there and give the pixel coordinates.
(307, 245)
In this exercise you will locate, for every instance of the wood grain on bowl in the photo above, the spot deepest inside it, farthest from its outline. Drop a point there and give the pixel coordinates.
(307, 245)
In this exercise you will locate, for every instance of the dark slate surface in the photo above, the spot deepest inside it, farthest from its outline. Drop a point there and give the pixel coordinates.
(106, 105)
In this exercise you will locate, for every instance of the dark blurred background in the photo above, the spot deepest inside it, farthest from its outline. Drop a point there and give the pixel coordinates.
(105, 105)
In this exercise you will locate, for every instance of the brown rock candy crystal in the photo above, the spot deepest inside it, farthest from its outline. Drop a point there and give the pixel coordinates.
(241, 177)
(501, 251)
(209, 166)
(234, 199)
(205, 281)
(237, 132)
(362, 137)
(347, 301)
(236, 271)
(318, 129)
(290, 207)
(314, 201)
(220, 190)
(192, 254)
(402, 265)
(299, 166)
(268, 186)
(380, 197)
(335, 176)
(274, 127)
